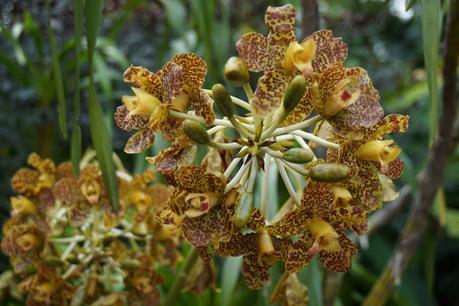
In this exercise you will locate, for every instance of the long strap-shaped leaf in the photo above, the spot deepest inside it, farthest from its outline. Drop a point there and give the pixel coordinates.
(99, 130)
(59, 85)
(75, 145)
(431, 24)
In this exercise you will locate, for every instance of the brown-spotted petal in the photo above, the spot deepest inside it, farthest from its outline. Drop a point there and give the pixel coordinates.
(366, 111)
(303, 108)
(202, 105)
(341, 260)
(25, 181)
(280, 18)
(317, 199)
(181, 152)
(197, 179)
(268, 94)
(140, 141)
(173, 81)
(256, 273)
(127, 123)
(390, 124)
(330, 50)
(194, 68)
(299, 255)
(141, 77)
(252, 48)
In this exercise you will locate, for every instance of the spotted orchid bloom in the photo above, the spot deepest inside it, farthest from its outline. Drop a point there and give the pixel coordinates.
(311, 123)
(197, 204)
(160, 98)
(373, 161)
(345, 96)
(63, 237)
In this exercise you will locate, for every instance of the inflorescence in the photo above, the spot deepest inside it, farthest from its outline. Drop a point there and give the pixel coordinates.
(311, 121)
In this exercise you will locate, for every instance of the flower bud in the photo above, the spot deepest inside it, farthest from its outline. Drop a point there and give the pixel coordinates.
(223, 100)
(298, 155)
(294, 93)
(243, 209)
(195, 131)
(235, 71)
(130, 264)
(53, 261)
(328, 173)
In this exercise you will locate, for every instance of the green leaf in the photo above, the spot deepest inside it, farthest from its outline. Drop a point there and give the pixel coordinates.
(102, 144)
(99, 131)
(93, 18)
(311, 276)
(431, 23)
(230, 276)
(58, 83)
(75, 144)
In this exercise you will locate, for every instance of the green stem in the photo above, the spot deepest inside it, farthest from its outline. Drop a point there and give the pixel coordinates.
(179, 282)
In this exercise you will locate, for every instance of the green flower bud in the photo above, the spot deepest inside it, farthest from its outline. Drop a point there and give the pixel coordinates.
(53, 261)
(294, 93)
(235, 71)
(130, 264)
(298, 155)
(195, 131)
(328, 173)
(223, 100)
(243, 209)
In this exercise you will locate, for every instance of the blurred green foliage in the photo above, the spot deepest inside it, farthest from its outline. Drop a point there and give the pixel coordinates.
(382, 36)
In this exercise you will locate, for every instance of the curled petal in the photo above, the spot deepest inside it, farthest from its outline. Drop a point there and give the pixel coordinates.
(142, 78)
(181, 152)
(329, 50)
(252, 49)
(366, 111)
(202, 105)
(269, 92)
(140, 141)
(127, 123)
(25, 181)
(197, 179)
(390, 124)
(341, 260)
(388, 189)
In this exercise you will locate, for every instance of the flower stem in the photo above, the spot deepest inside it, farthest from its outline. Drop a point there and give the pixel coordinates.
(316, 139)
(296, 126)
(179, 282)
(287, 182)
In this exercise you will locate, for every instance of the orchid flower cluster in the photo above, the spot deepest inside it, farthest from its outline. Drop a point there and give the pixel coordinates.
(66, 245)
(311, 120)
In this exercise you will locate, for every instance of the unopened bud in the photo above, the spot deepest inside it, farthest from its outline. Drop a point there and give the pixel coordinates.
(298, 155)
(195, 131)
(130, 264)
(223, 100)
(243, 209)
(235, 71)
(53, 261)
(328, 173)
(294, 92)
